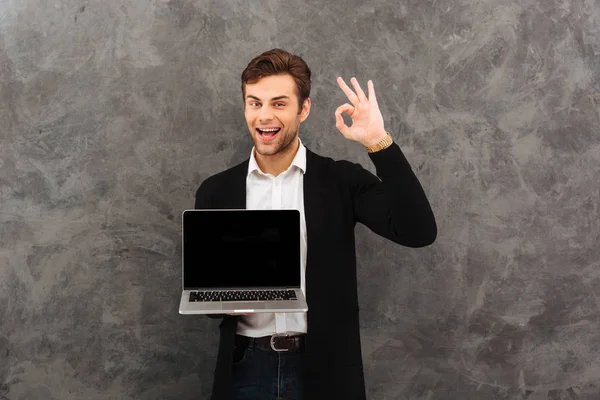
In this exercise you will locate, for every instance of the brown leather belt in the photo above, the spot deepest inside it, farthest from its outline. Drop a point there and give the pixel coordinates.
(279, 343)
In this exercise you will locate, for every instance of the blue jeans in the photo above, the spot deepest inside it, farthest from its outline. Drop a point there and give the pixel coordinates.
(265, 374)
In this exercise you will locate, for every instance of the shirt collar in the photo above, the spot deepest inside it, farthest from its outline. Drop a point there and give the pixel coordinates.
(299, 160)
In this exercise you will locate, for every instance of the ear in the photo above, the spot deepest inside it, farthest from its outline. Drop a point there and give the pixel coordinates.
(305, 110)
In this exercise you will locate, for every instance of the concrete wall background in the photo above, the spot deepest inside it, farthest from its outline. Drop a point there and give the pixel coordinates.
(113, 112)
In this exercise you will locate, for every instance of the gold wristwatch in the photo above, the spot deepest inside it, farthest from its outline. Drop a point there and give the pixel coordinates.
(384, 143)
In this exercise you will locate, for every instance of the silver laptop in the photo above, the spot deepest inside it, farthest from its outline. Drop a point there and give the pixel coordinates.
(241, 261)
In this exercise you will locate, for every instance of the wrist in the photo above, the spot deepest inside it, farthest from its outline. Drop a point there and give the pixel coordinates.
(379, 143)
(373, 141)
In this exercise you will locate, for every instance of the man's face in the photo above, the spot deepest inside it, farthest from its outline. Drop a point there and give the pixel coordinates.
(272, 103)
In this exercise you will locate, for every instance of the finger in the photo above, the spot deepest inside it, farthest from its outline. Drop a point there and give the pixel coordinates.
(361, 95)
(372, 97)
(339, 120)
(351, 95)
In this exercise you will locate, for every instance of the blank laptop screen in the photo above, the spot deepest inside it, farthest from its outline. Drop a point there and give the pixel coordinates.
(241, 248)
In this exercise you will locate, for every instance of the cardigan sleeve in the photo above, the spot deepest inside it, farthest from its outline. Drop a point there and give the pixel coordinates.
(203, 202)
(203, 196)
(394, 205)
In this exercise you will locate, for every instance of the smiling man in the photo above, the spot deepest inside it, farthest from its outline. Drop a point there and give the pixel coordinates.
(274, 116)
(317, 354)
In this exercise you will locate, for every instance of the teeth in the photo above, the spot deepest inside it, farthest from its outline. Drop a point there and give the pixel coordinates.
(269, 130)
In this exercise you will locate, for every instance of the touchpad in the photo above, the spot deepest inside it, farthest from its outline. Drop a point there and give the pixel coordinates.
(256, 305)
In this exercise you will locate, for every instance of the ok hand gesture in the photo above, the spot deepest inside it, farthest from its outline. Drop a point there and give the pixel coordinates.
(367, 121)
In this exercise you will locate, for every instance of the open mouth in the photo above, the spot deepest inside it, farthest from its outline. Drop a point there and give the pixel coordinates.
(268, 134)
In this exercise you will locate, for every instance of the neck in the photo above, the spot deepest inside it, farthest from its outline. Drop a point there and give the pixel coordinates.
(280, 162)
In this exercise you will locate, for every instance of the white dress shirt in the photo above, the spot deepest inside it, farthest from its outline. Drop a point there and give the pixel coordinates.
(285, 191)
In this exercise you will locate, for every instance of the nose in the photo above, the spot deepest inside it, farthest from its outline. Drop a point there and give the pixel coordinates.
(265, 114)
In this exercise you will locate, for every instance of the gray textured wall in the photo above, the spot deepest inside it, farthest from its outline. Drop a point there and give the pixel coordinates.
(113, 112)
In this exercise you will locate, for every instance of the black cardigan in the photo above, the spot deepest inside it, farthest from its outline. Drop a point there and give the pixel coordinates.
(337, 195)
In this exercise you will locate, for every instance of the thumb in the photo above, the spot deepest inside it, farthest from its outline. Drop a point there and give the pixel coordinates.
(339, 120)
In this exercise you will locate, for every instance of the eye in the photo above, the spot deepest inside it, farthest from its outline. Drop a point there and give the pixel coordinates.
(282, 104)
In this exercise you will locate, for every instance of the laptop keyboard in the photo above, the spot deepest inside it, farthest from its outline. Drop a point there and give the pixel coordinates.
(243, 295)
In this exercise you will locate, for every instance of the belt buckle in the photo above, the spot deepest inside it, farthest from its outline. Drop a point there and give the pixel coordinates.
(273, 344)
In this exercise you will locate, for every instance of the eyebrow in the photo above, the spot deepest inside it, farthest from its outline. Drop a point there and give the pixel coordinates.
(273, 99)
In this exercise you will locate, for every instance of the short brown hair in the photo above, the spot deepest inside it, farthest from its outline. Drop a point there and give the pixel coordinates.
(279, 62)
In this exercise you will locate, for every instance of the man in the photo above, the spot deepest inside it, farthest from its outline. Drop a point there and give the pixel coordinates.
(321, 357)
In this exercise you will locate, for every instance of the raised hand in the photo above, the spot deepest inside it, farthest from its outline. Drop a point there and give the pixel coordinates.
(367, 121)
